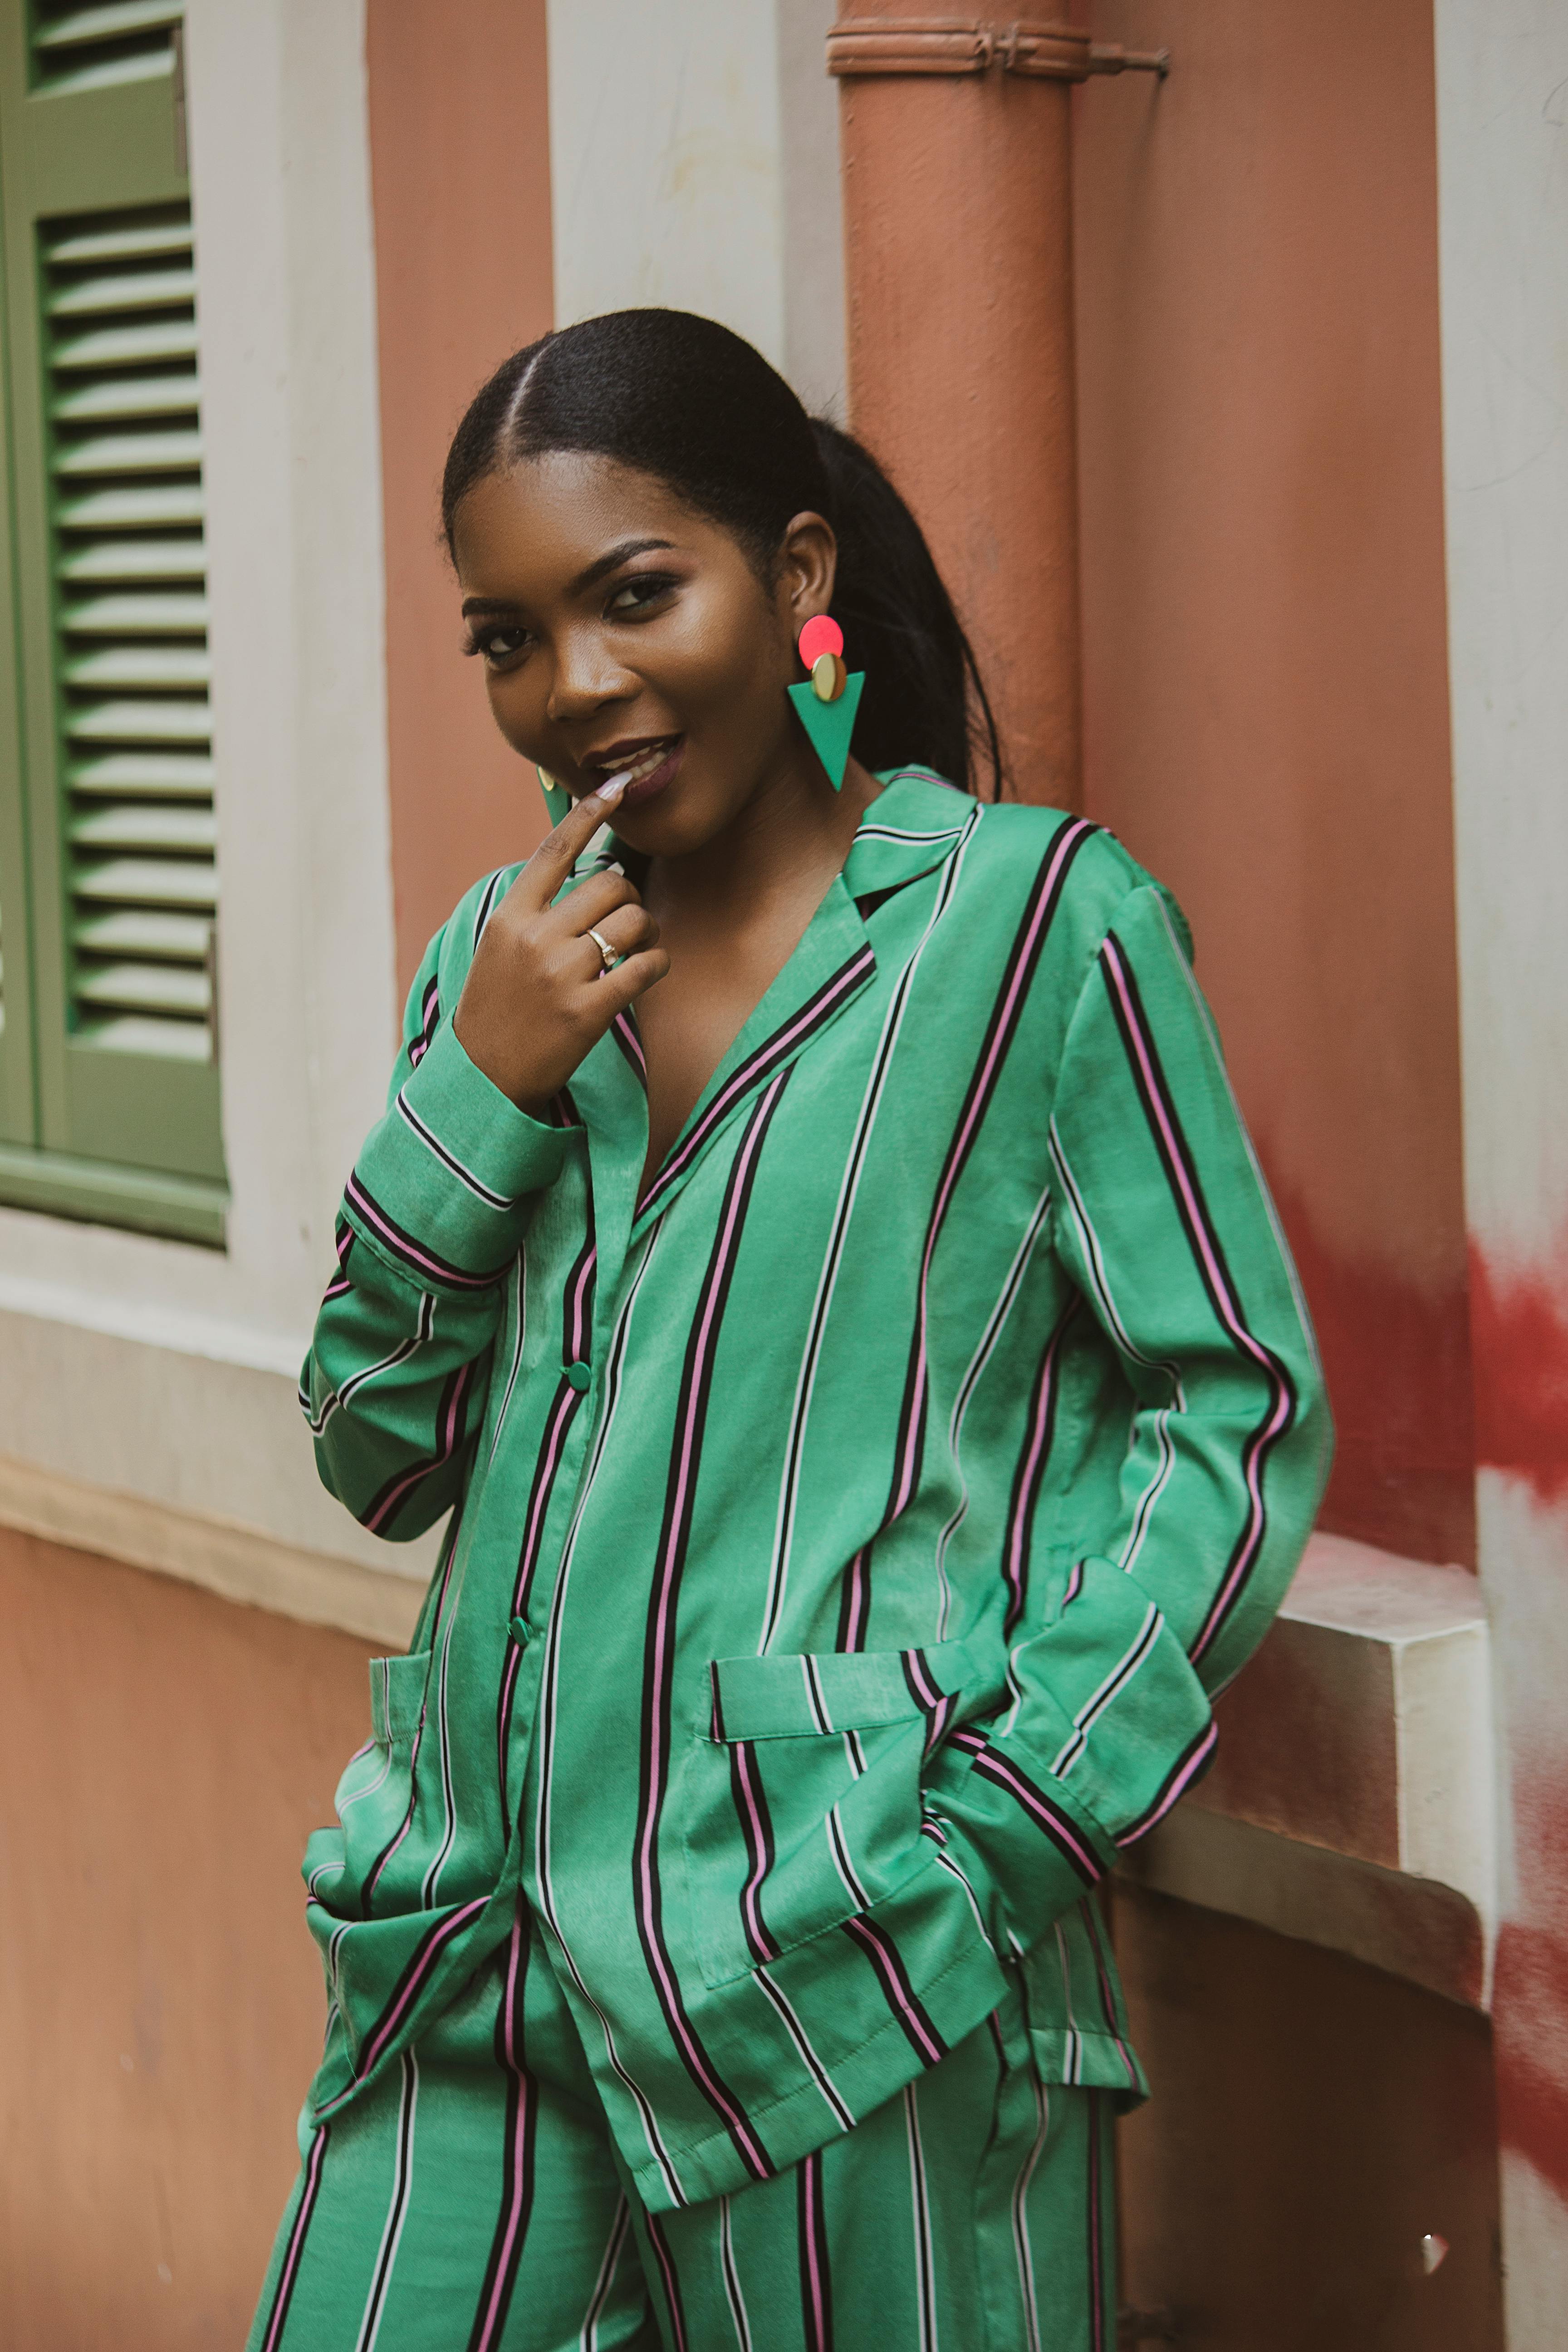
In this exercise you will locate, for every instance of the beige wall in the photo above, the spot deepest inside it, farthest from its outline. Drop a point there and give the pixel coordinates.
(164, 1755)
(1266, 655)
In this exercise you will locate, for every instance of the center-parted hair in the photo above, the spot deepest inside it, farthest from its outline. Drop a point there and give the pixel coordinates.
(686, 400)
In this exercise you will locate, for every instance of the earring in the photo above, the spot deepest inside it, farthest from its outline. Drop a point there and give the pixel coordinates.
(831, 697)
(557, 799)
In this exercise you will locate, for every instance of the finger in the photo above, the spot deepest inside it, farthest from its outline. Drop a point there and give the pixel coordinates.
(594, 900)
(625, 931)
(628, 980)
(559, 851)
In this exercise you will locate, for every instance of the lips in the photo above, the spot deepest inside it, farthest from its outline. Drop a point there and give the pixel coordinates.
(650, 765)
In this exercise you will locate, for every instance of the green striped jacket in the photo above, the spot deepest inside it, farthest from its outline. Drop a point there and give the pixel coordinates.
(848, 1536)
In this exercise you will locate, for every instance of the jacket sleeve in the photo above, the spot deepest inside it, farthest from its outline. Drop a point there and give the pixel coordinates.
(433, 1217)
(1162, 1221)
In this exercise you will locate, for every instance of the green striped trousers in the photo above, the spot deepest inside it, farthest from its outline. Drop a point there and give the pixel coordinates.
(473, 2198)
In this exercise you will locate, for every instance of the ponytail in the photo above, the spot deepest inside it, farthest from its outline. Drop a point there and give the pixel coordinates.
(683, 399)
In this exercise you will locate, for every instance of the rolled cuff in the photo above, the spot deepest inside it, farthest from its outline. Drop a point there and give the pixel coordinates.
(443, 1186)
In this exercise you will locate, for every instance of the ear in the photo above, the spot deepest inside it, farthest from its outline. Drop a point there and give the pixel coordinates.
(808, 567)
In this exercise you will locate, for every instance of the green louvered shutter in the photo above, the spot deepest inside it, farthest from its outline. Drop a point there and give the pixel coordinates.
(116, 748)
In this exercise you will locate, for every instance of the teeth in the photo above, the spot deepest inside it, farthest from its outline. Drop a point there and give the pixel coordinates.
(645, 765)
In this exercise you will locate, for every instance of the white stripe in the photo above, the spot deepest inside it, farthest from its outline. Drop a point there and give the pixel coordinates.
(1021, 2219)
(1121, 1672)
(970, 1382)
(1072, 2064)
(796, 2031)
(450, 1160)
(945, 1862)
(925, 2269)
(789, 1490)
(391, 2233)
(838, 1847)
(1308, 1334)
(520, 1317)
(733, 2295)
(813, 1697)
(1095, 1260)
(549, 1707)
(588, 2339)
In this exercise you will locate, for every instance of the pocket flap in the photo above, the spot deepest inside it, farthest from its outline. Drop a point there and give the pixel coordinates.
(397, 1695)
(836, 1690)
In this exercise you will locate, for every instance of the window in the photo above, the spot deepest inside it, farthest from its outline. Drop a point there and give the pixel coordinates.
(109, 1083)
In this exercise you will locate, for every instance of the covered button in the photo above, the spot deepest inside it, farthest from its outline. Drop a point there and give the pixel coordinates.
(578, 1374)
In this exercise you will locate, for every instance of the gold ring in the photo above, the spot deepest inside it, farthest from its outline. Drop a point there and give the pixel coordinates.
(607, 955)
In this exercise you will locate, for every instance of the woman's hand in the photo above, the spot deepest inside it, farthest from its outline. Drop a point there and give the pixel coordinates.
(537, 996)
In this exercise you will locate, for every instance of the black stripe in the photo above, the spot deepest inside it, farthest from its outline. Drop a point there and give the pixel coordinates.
(419, 1257)
(675, 1531)
(624, 1030)
(760, 1065)
(811, 2224)
(1023, 961)
(517, 2181)
(1261, 1445)
(1156, 1805)
(278, 2317)
(452, 1399)
(888, 1968)
(562, 1411)
(1004, 1774)
(758, 1843)
(1027, 1482)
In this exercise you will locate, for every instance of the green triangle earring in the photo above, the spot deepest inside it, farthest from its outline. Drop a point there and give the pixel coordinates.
(827, 701)
(557, 799)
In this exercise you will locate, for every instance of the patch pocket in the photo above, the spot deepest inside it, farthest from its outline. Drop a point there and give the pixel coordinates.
(345, 1867)
(801, 1796)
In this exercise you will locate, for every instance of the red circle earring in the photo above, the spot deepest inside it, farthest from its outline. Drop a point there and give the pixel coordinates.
(827, 703)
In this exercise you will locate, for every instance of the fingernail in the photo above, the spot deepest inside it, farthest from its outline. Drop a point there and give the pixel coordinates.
(611, 792)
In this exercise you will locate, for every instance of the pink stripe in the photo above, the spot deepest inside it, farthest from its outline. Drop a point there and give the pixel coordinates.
(647, 1832)
(1015, 1570)
(995, 1768)
(445, 1445)
(813, 2216)
(297, 2240)
(438, 1945)
(979, 1098)
(516, 2218)
(867, 1936)
(781, 1044)
(750, 1892)
(1221, 1289)
(555, 1436)
(1183, 1781)
(404, 1247)
(671, 2292)
(578, 1294)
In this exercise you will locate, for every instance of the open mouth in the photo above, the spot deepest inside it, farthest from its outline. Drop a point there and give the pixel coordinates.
(649, 765)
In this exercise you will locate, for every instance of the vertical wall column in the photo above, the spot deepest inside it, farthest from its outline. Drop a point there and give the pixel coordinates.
(957, 160)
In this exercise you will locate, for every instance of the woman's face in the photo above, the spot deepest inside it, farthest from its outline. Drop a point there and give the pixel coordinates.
(619, 629)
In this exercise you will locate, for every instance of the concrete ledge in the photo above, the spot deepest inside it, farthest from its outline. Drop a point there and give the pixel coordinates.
(236, 1562)
(1351, 1802)
(1410, 1927)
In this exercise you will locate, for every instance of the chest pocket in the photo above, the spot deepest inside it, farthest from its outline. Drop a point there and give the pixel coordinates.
(801, 1797)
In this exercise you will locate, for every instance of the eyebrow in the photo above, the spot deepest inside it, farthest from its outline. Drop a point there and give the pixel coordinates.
(474, 607)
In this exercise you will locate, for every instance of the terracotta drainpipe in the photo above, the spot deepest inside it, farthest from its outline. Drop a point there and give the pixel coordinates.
(957, 156)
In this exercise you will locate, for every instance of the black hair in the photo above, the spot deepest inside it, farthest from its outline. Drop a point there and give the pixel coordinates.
(685, 400)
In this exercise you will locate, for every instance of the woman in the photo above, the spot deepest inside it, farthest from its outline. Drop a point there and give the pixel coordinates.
(813, 1254)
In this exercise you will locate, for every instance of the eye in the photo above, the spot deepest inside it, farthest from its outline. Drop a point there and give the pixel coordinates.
(637, 595)
(495, 645)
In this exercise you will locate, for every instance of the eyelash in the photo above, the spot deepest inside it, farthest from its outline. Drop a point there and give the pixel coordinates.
(653, 585)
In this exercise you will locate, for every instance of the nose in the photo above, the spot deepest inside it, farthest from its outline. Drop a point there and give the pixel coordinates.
(586, 678)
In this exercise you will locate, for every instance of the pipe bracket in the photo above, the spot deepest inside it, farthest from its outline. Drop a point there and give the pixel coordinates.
(862, 46)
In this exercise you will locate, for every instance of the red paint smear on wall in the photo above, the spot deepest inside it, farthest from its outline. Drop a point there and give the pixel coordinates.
(1396, 1356)
(1531, 2010)
(1520, 1320)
